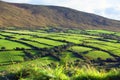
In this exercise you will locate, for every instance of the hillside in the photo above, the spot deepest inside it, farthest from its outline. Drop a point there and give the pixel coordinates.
(71, 55)
(37, 16)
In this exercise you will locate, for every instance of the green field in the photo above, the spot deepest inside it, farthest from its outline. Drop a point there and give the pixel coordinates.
(11, 45)
(80, 49)
(98, 54)
(7, 57)
(99, 48)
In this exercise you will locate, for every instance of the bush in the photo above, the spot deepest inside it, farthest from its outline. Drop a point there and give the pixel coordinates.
(3, 48)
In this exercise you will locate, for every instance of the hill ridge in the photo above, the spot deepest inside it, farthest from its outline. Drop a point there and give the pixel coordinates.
(37, 16)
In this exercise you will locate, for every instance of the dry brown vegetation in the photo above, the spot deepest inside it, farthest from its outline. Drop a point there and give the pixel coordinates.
(36, 16)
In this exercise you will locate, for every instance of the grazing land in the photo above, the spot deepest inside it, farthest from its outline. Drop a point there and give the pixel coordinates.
(57, 54)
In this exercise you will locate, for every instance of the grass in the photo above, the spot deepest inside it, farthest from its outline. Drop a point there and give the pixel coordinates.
(17, 36)
(67, 39)
(101, 46)
(68, 57)
(116, 52)
(8, 34)
(98, 54)
(20, 31)
(38, 62)
(2, 37)
(36, 44)
(69, 65)
(34, 72)
(111, 44)
(47, 41)
(7, 57)
(91, 73)
(113, 48)
(100, 31)
(80, 49)
(11, 45)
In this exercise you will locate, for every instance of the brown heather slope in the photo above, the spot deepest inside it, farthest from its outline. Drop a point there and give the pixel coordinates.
(37, 16)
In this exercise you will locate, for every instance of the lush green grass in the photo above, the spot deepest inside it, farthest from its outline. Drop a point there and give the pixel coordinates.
(17, 36)
(91, 54)
(67, 39)
(80, 49)
(38, 62)
(68, 57)
(34, 72)
(2, 37)
(61, 62)
(11, 45)
(101, 46)
(110, 49)
(35, 44)
(111, 44)
(100, 31)
(7, 57)
(7, 34)
(98, 54)
(47, 41)
(116, 51)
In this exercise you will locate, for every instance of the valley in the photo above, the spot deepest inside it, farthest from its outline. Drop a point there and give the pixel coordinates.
(53, 46)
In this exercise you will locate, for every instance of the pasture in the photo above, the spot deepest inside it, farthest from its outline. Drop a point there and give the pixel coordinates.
(99, 48)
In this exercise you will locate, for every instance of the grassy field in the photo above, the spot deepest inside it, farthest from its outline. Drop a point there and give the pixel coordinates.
(7, 57)
(11, 45)
(65, 51)
(49, 42)
(98, 54)
(80, 49)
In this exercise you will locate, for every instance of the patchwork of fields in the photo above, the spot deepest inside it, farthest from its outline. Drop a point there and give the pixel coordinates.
(95, 47)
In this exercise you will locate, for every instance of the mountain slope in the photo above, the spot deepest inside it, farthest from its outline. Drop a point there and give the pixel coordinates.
(36, 16)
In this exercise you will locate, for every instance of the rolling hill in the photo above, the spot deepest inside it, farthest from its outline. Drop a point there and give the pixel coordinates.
(56, 43)
(37, 16)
